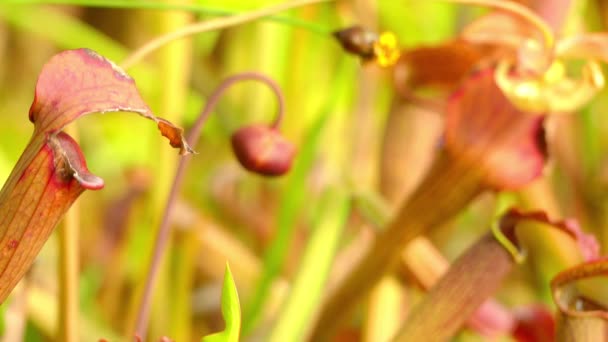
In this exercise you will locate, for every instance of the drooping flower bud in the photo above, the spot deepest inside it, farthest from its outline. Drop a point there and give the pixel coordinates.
(263, 150)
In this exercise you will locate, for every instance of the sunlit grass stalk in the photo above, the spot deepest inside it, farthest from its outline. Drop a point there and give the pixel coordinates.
(185, 253)
(68, 260)
(174, 63)
(384, 310)
(307, 288)
(68, 276)
(175, 60)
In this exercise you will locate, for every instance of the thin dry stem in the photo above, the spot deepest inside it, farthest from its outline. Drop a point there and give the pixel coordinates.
(211, 25)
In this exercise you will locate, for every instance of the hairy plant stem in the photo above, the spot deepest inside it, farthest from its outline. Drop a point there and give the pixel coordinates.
(210, 25)
(163, 233)
(448, 188)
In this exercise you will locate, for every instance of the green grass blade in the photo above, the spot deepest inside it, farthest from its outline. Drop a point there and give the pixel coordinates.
(231, 311)
(307, 289)
(290, 205)
(294, 199)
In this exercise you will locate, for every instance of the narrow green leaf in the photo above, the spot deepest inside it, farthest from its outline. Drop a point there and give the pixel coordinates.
(293, 200)
(308, 286)
(231, 310)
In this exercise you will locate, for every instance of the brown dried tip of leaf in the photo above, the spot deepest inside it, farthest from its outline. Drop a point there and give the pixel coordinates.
(79, 82)
(175, 136)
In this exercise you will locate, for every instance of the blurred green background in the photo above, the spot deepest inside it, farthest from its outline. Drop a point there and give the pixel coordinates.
(336, 109)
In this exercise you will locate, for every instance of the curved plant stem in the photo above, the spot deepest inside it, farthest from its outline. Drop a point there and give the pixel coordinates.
(162, 237)
(213, 24)
(67, 329)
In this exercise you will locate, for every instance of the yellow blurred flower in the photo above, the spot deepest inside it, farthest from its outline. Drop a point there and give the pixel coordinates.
(535, 77)
(386, 51)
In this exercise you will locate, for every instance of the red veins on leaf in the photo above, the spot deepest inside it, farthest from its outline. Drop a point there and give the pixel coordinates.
(79, 82)
(484, 129)
(52, 172)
